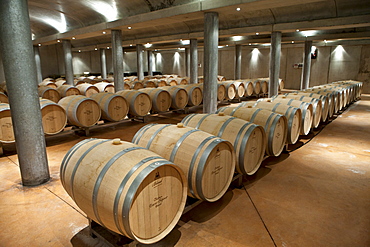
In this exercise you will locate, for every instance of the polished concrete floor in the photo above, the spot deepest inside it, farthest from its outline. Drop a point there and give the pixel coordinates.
(317, 194)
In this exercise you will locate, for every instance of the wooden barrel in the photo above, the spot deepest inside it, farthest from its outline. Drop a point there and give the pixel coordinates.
(337, 96)
(135, 85)
(240, 89)
(275, 125)
(293, 115)
(6, 124)
(319, 108)
(248, 88)
(3, 98)
(50, 84)
(49, 93)
(208, 161)
(78, 82)
(221, 78)
(113, 107)
(330, 97)
(281, 84)
(324, 99)
(316, 104)
(182, 81)
(81, 110)
(60, 83)
(264, 85)
(87, 89)
(54, 117)
(179, 97)
(161, 99)
(139, 102)
(230, 90)
(125, 188)
(68, 90)
(194, 92)
(200, 79)
(248, 139)
(162, 83)
(105, 87)
(152, 83)
(306, 109)
(256, 86)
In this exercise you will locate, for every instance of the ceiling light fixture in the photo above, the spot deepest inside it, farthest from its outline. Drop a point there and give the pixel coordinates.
(58, 40)
(148, 45)
(257, 33)
(73, 37)
(39, 44)
(297, 30)
(104, 32)
(96, 49)
(79, 50)
(292, 41)
(237, 9)
(130, 44)
(129, 28)
(185, 42)
(237, 38)
(108, 47)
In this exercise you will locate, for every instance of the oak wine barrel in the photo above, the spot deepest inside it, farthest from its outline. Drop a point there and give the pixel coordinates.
(67, 90)
(161, 99)
(87, 89)
(53, 116)
(139, 102)
(49, 93)
(208, 161)
(6, 124)
(125, 188)
(248, 139)
(113, 107)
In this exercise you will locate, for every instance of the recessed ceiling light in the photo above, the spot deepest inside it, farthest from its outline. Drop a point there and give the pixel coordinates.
(96, 48)
(104, 32)
(129, 27)
(108, 47)
(148, 45)
(237, 9)
(130, 44)
(39, 44)
(292, 41)
(73, 37)
(58, 40)
(249, 44)
(257, 33)
(325, 40)
(79, 50)
(227, 45)
(297, 30)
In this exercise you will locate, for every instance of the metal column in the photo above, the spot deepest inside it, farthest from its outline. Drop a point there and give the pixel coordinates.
(117, 54)
(150, 62)
(238, 62)
(103, 63)
(36, 51)
(67, 50)
(210, 62)
(193, 61)
(187, 62)
(20, 74)
(305, 81)
(275, 51)
(140, 65)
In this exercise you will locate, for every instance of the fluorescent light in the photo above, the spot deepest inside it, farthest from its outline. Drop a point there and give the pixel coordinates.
(309, 33)
(237, 38)
(185, 42)
(220, 46)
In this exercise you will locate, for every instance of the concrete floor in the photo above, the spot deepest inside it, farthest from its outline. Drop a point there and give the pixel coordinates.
(318, 194)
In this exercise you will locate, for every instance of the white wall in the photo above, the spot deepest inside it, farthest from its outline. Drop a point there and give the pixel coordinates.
(332, 63)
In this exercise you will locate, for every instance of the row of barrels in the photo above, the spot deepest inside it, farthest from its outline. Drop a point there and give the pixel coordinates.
(139, 189)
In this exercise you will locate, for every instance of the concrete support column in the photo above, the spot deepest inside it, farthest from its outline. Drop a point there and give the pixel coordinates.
(238, 62)
(187, 62)
(103, 63)
(305, 80)
(67, 50)
(275, 52)
(117, 54)
(210, 62)
(150, 62)
(193, 61)
(36, 51)
(140, 65)
(21, 80)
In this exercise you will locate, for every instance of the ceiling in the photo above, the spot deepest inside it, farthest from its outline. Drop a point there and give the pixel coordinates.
(164, 23)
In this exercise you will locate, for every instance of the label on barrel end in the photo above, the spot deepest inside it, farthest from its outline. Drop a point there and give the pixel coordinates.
(158, 201)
